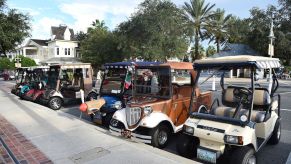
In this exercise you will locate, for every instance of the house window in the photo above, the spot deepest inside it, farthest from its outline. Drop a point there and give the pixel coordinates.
(66, 52)
(58, 51)
(69, 51)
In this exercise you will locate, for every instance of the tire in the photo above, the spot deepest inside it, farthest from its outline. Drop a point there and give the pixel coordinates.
(91, 117)
(106, 119)
(55, 103)
(92, 95)
(187, 146)
(243, 155)
(276, 135)
(160, 136)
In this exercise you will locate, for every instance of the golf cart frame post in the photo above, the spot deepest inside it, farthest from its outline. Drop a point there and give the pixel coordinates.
(246, 121)
(149, 115)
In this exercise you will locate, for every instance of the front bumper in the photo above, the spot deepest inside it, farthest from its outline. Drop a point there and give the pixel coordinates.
(133, 135)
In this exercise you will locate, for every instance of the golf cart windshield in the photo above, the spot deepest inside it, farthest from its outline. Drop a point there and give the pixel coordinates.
(113, 81)
(53, 77)
(153, 81)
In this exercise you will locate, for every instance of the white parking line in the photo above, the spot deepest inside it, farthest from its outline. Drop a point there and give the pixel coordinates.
(289, 110)
(289, 159)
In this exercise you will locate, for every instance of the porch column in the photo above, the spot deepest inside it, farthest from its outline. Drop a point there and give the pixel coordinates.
(230, 74)
(238, 72)
(24, 52)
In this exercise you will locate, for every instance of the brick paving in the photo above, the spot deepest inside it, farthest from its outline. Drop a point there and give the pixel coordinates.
(24, 151)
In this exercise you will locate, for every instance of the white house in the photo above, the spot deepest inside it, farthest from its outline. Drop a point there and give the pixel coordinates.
(62, 47)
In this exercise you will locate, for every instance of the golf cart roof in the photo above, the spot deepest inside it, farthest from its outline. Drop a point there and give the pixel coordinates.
(179, 65)
(129, 63)
(73, 65)
(241, 61)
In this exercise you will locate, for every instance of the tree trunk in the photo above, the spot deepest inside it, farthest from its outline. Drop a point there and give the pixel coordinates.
(217, 45)
(196, 47)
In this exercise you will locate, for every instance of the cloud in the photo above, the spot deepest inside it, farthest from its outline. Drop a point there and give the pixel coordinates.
(41, 28)
(111, 11)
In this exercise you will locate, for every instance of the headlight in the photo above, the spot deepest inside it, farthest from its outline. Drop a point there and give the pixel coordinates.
(188, 129)
(233, 139)
(147, 110)
(117, 105)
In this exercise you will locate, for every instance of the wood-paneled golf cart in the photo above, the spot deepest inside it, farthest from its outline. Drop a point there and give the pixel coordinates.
(160, 103)
(243, 117)
(113, 92)
(65, 83)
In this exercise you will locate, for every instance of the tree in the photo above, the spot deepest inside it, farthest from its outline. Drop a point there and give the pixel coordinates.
(154, 32)
(238, 30)
(25, 61)
(80, 36)
(14, 28)
(198, 15)
(218, 28)
(100, 46)
(5, 63)
(210, 51)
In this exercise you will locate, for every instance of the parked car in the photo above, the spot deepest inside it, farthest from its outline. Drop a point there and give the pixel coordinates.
(113, 92)
(242, 119)
(160, 103)
(65, 82)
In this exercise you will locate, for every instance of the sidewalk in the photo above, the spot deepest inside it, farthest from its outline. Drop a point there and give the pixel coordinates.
(66, 139)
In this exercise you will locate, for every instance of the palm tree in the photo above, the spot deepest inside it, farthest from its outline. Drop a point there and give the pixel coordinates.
(218, 30)
(197, 15)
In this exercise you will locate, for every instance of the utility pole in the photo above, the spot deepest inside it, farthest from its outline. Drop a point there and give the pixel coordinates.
(271, 52)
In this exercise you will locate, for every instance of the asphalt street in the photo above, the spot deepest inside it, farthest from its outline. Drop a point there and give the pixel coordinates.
(268, 155)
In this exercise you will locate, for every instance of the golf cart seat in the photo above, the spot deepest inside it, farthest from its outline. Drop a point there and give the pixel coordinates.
(262, 101)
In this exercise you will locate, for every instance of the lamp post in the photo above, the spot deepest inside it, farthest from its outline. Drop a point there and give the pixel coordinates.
(271, 52)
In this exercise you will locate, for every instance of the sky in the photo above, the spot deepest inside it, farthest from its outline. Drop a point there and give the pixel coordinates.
(79, 14)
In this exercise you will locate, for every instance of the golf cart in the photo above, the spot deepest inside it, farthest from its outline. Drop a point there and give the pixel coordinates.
(20, 79)
(113, 92)
(33, 90)
(65, 83)
(160, 103)
(244, 115)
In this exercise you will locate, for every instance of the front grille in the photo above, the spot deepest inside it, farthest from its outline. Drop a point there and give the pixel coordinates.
(133, 115)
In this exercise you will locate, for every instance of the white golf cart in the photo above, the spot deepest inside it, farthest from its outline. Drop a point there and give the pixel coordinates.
(247, 118)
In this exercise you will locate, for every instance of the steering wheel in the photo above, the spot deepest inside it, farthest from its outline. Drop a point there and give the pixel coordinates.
(242, 94)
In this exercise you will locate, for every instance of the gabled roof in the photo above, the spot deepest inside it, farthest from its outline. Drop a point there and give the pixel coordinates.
(40, 42)
(60, 31)
(236, 49)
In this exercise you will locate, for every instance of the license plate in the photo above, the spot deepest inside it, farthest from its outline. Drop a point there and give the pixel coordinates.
(126, 133)
(206, 155)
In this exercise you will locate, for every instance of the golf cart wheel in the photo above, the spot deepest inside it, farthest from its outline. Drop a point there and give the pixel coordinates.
(160, 136)
(55, 103)
(243, 155)
(91, 117)
(276, 135)
(91, 96)
(187, 146)
(106, 119)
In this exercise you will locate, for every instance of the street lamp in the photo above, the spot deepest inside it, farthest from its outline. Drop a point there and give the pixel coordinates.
(271, 52)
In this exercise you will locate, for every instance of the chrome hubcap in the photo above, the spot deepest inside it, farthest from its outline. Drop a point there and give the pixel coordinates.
(162, 137)
(55, 104)
(252, 160)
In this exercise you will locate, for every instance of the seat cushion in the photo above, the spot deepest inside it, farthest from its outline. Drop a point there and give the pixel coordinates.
(257, 116)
